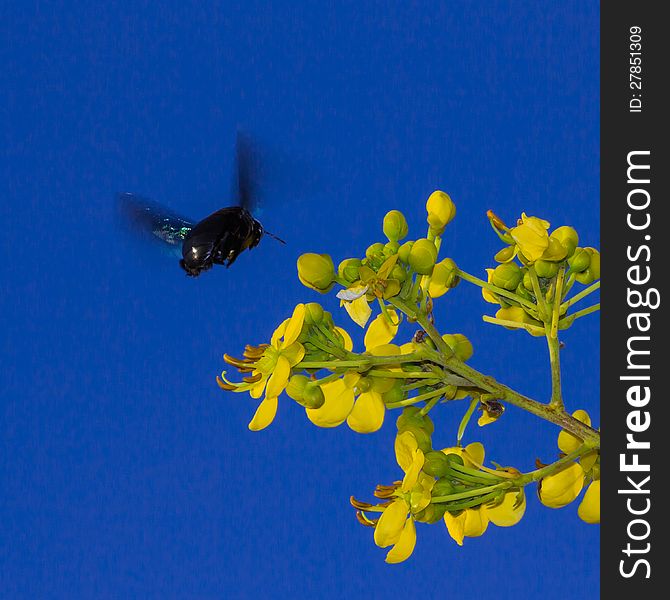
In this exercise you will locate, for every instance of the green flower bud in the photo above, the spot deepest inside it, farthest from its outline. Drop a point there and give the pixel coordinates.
(295, 388)
(316, 271)
(374, 251)
(546, 269)
(348, 269)
(445, 277)
(441, 210)
(404, 250)
(422, 256)
(313, 396)
(436, 464)
(461, 345)
(407, 413)
(398, 273)
(364, 384)
(585, 277)
(395, 394)
(506, 254)
(555, 251)
(313, 313)
(455, 459)
(431, 514)
(507, 276)
(442, 487)
(568, 238)
(422, 437)
(594, 267)
(395, 226)
(580, 260)
(391, 248)
(527, 281)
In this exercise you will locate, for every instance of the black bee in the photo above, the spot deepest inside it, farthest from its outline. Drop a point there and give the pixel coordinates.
(215, 240)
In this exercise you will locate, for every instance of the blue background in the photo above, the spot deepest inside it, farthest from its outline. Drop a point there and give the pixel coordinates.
(124, 471)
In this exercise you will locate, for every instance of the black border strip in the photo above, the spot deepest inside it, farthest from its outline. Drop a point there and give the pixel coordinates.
(633, 120)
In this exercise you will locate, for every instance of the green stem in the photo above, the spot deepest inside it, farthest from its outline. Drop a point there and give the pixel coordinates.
(473, 492)
(585, 311)
(496, 290)
(538, 474)
(555, 361)
(542, 303)
(446, 358)
(465, 420)
(557, 302)
(514, 325)
(427, 396)
(577, 297)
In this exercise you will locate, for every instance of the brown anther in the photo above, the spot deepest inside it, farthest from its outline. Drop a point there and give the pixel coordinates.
(360, 505)
(254, 352)
(363, 520)
(236, 362)
(254, 379)
(497, 221)
(539, 464)
(225, 386)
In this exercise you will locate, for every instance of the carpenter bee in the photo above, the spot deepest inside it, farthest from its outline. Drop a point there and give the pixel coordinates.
(215, 240)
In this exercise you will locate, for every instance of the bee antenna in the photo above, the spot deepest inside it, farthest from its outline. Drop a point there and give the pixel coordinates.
(274, 237)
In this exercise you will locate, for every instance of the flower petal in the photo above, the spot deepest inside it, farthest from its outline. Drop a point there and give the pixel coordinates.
(368, 413)
(391, 523)
(589, 508)
(279, 332)
(359, 310)
(568, 442)
(405, 447)
(294, 325)
(561, 488)
(348, 343)
(412, 474)
(381, 331)
(472, 522)
(294, 353)
(265, 414)
(405, 545)
(279, 377)
(337, 406)
(509, 511)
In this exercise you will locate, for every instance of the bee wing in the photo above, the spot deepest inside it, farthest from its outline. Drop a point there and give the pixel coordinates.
(245, 174)
(154, 220)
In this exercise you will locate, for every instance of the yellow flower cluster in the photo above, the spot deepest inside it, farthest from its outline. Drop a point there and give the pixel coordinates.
(444, 484)
(562, 487)
(550, 264)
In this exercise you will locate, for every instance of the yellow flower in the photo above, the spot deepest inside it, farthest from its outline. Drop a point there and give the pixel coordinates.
(396, 525)
(486, 294)
(339, 402)
(568, 442)
(531, 237)
(382, 331)
(471, 522)
(509, 511)
(355, 303)
(472, 454)
(368, 413)
(441, 210)
(589, 508)
(371, 285)
(561, 488)
(275, 366)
